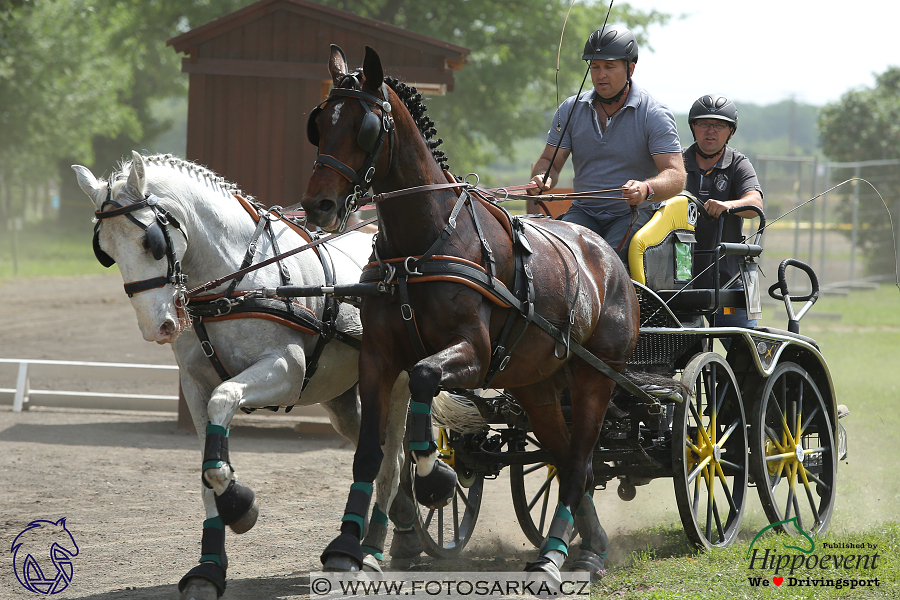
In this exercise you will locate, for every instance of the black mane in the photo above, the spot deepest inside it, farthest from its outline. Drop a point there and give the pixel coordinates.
(412, 99)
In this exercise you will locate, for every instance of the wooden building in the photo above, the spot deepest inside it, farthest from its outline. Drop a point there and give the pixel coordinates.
(256, 73)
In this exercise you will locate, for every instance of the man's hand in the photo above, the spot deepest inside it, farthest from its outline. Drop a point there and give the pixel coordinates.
(538, 180)
(715, 208)
(635, 192)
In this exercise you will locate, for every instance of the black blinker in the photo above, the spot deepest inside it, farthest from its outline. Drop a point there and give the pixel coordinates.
(312, 130)
(368, 132)
(105, 259)
(156, 240)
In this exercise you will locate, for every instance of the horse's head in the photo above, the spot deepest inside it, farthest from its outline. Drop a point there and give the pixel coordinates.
(135, 231)
(353, 130)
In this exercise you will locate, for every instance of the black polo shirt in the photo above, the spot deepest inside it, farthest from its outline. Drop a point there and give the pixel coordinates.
(729, 179)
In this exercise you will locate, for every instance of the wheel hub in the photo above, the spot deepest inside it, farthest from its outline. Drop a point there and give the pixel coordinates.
(717, 453)
(799, 451)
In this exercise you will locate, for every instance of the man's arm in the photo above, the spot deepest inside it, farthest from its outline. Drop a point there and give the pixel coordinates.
(750, 197)
(540, 167)
(667, 183)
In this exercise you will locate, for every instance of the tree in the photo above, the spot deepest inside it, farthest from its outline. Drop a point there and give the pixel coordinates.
(864, 125)
(506, 91)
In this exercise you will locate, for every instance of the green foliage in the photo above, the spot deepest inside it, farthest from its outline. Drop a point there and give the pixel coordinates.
(506, 91)
(787, 128)
(865, 125)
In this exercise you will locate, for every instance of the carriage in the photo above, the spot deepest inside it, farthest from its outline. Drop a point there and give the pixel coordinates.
(761, 414)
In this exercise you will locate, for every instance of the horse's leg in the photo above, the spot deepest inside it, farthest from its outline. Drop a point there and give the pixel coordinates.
(376, 381)
(541, 402)
(591, 393)
(456, 366)
(206, 581)
(267, 379)
(388, 479)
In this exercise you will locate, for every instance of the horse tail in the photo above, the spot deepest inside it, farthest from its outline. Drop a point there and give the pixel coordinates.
(656, 384)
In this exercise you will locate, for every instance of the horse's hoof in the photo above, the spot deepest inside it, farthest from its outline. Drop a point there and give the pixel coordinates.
(436, 489)
(237, 507)
(199, 589)
(370, 564)
(343, 554)
(246, 523)
(340, 563)
(590, 562)
(406, 544)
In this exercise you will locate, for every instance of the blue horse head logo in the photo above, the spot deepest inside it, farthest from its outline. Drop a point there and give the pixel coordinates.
(32, 548)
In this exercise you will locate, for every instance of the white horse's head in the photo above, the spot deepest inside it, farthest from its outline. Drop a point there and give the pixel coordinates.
(137, 243)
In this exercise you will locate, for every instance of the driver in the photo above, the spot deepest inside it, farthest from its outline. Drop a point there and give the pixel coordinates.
(617, 133)
(721, 178)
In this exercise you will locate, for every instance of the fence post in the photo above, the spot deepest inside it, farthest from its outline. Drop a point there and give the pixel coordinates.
(21, 396)
(856, 173)
(824, 218)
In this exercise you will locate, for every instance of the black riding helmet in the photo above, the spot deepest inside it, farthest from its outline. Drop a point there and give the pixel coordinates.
(612, 43)
(713, 106)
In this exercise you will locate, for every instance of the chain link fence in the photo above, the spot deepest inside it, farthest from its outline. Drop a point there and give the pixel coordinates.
(845, 234)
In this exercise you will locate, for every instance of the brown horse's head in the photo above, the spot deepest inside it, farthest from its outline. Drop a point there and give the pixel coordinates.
(353, 136)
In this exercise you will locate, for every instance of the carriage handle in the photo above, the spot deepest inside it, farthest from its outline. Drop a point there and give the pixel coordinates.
(779, 291)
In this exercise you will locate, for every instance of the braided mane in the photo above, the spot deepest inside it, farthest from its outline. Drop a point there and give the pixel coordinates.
(412, 99)
(202, 173)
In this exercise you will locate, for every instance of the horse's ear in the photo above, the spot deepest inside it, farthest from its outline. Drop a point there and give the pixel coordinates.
(373, 70)
(87, 182)
(137, 177)
(337, 64)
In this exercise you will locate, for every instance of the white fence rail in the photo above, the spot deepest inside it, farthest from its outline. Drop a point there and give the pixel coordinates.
(61, 374)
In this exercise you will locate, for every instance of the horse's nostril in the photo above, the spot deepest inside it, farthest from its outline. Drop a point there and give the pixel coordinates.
(325, 206)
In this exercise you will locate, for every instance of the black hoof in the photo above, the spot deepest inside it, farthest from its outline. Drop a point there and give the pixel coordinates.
(437, 488)
(343, 554)
(237, 507)
(208, 571)
(406, 544)
(590, 562)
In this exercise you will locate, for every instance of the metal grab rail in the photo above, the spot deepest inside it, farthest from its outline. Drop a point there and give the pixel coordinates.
(114, 371)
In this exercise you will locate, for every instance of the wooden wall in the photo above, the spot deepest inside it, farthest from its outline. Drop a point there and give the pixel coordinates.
(252, 88)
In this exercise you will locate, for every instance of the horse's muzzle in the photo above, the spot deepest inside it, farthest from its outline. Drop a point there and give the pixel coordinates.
(323, 213)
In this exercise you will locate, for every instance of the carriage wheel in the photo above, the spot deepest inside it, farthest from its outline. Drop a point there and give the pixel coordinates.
(794, 458)
(445, 531)
(535, 494)
(709, 452)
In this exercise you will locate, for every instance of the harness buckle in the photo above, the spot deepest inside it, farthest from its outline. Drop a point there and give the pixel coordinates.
(406, 312)
(415, 270)
(504, 362)
(208, 349)
(528, 273)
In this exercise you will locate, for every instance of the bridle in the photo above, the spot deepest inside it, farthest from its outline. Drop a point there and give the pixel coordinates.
(159, 239)
(370, 138)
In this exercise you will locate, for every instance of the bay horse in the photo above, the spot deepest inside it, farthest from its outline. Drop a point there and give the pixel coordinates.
(161, 214)
(449, 333)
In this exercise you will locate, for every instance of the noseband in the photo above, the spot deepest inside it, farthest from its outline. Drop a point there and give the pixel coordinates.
(158, 238)
(370, 138)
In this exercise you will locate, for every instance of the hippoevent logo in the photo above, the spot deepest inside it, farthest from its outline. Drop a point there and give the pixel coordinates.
(42, 556)
(799, 565)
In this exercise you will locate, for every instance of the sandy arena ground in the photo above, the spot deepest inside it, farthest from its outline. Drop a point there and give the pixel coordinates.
(127, 482)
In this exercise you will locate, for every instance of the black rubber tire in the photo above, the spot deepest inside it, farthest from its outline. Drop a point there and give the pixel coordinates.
(710, 476)
(788, 486)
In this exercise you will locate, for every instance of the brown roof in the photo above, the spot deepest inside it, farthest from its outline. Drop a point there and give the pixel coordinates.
(311, 10)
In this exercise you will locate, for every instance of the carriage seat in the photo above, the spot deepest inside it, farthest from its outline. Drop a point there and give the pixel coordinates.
(661, 254)
(661, 257)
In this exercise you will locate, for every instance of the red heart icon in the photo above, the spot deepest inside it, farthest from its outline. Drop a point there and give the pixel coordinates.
(778, 580)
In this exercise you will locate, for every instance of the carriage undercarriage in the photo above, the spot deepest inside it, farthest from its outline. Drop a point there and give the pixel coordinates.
(738, 429)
